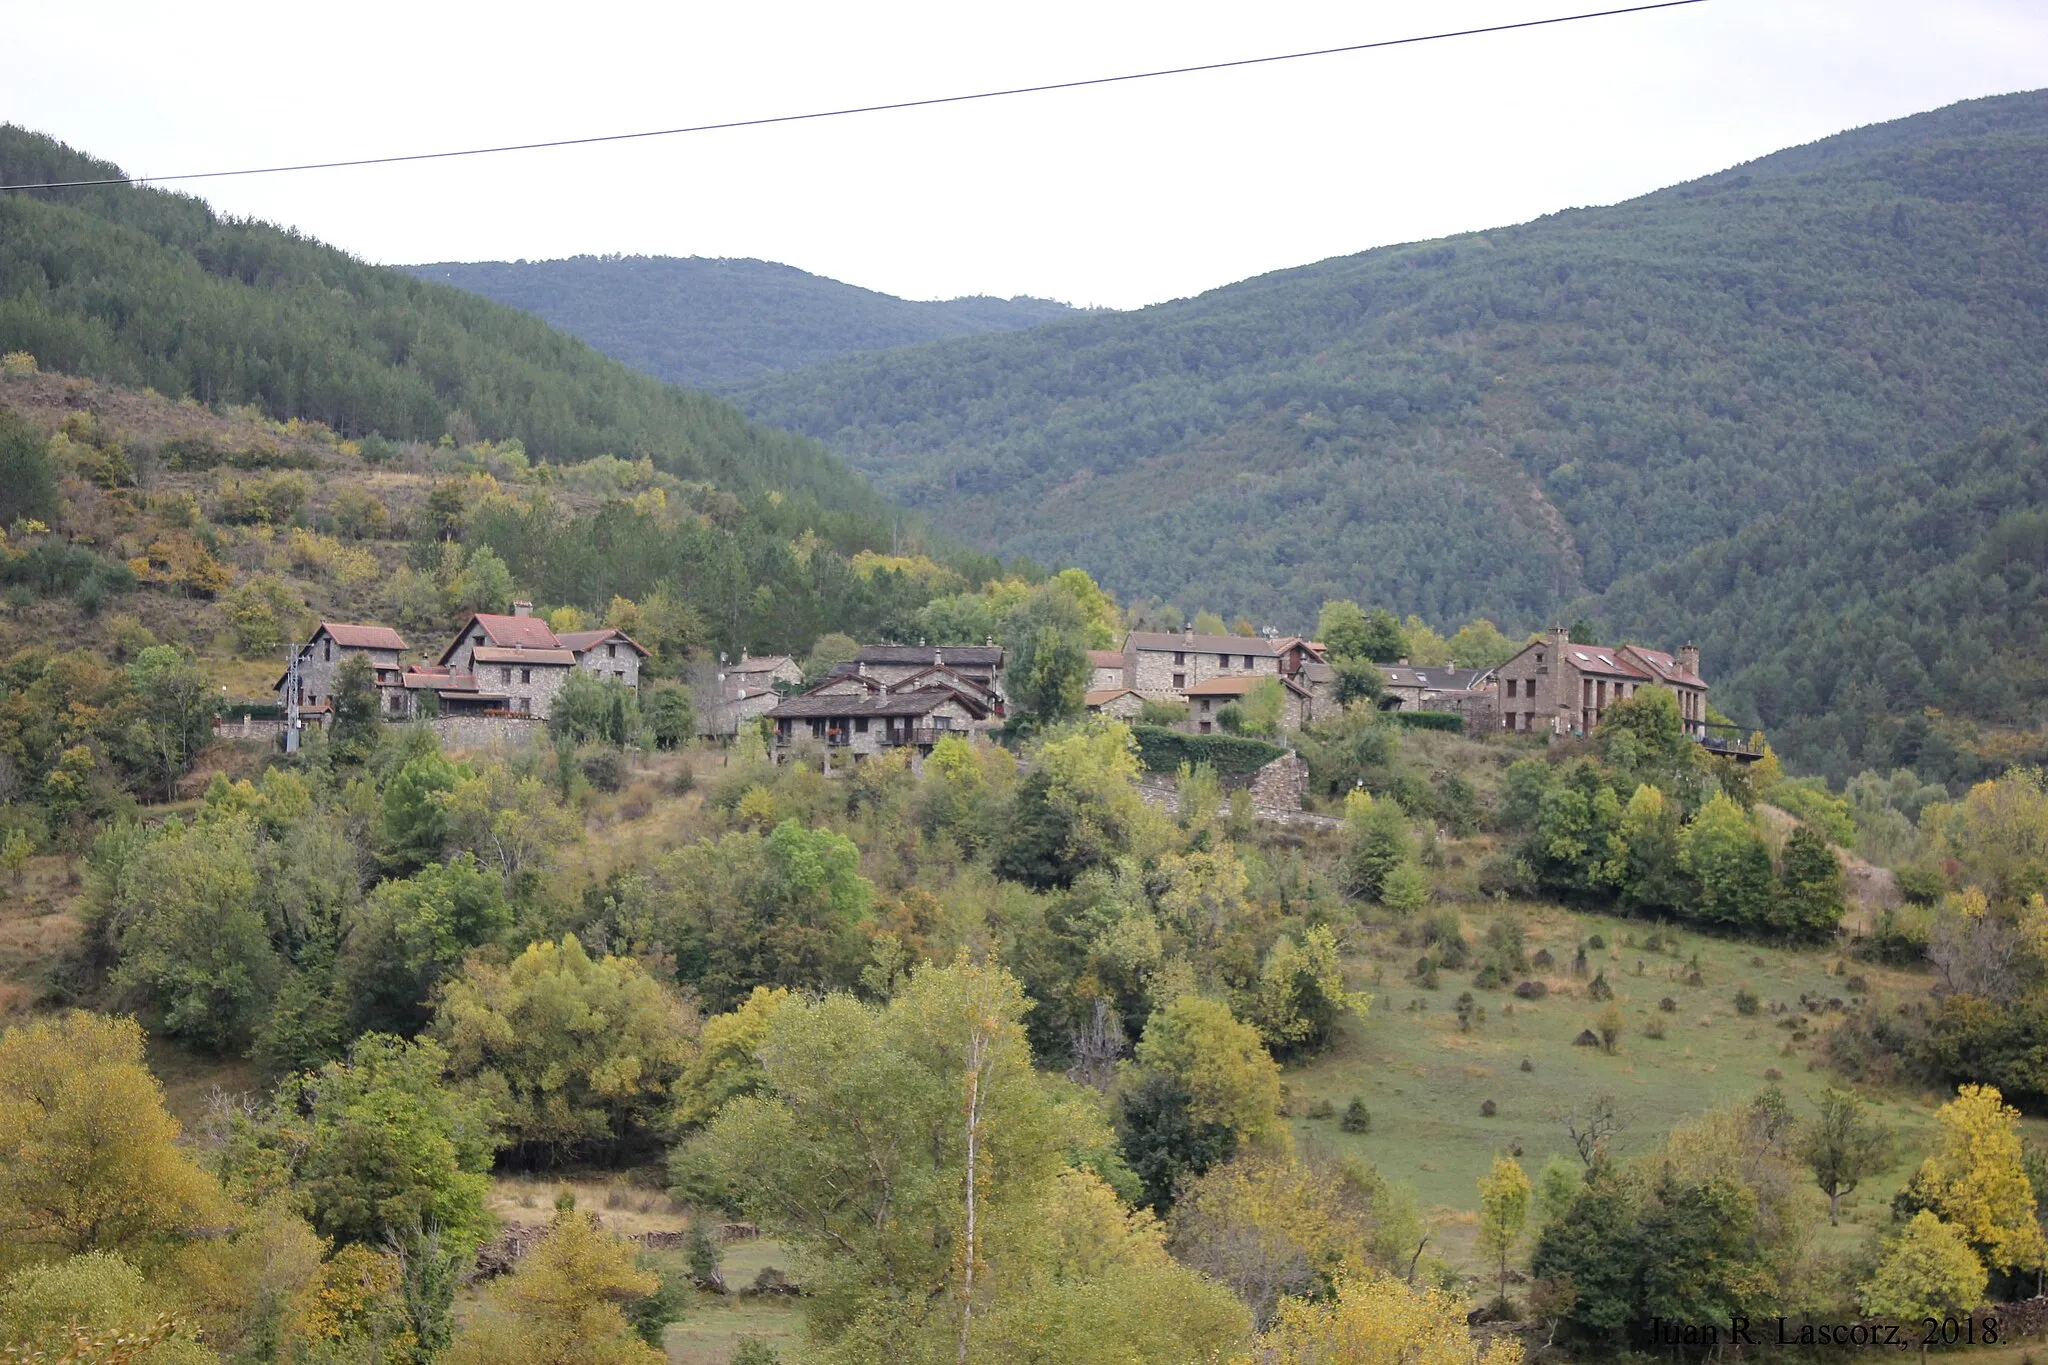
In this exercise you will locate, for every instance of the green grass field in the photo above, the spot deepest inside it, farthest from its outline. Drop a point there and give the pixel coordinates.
(1424, 1080)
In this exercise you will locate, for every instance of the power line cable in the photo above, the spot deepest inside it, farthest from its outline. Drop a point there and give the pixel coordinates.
(858, 109)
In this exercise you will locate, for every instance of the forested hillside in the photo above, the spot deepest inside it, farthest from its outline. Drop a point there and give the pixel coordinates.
(1900, 621)
(712, 323)
(142, 287)
(1497, 422)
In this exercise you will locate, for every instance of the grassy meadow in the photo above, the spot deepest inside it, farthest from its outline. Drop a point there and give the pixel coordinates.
(1424, 1080)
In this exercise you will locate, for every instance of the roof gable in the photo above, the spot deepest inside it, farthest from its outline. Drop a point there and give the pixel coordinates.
(1258, 646)
(360, 637)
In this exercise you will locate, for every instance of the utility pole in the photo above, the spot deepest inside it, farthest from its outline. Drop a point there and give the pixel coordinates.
(291, 701)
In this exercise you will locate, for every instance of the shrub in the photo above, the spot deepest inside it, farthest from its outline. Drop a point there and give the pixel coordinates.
(1596, 942)
(1747, 1001)
(1163, 751)
(1322, 1109)
(1654, 1029)
(1668, 1005)
(1487, 1109)
(1543, 961)
(1527, 1065)
(1428, 720)
(1598, 989)
(604, 769)
(1531, 990)
(1357, 1118)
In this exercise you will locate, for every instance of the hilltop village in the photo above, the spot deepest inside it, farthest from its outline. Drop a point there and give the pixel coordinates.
(509, 668)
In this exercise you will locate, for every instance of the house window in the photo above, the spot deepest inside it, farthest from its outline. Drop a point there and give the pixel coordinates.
(1528, 720)
(1248, 662)
(1206, 726)
(526, 703)
(611, 651)
(1223, 661)
(860, 725)
(1180, 680)
(526, 675)
(504, 677)
(327, 651)
(1205, 706)
(1180, 658)
(1511, 689)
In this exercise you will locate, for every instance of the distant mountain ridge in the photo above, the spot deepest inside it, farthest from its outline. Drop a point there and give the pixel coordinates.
(713, 322)
(1498, 422)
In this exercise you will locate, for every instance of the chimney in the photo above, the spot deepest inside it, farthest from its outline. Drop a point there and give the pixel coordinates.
(522, 608)
(1402, 661)
(1187, 635)
(1689, 658)
(938, 659)
(860, 667)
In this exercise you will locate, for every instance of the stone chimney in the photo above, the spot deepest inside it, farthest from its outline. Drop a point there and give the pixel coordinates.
(860, 667)
(938, 659)
(522, 608)
(1689, 658)
(1187, 635)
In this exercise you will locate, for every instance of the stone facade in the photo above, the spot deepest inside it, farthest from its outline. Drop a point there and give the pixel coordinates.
(1281, 784)
(481, 732)
(529, 681)
(1118, 703)
(1106, 670)
(1161, 664)
(321, 657)
(864, 736)
(1205, 700)
(1557, 687)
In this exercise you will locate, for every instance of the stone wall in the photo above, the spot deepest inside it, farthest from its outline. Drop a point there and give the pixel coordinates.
(479, 732)
(1281, 784)
(621, 665)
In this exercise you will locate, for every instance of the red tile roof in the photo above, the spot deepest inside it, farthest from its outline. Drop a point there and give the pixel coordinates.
(1664, 666)
(583, 641)
(1105, 658)
(362, 637)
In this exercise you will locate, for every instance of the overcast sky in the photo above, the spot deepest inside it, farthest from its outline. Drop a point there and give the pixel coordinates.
(1118, 196)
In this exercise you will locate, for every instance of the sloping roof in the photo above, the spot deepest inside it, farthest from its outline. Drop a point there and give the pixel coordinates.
(941, 676)
(443, 680)
(1317, 671)
(486, 654)
(892, 704)
(1444, 678)
(1664, 666)
(1606, 659)
(508, 632)
(583, 641)
(1104, 695)
(1236, 685)
(973, 656)
(361, 637)
(766, 663)
(1105, 658)
(1255, 645)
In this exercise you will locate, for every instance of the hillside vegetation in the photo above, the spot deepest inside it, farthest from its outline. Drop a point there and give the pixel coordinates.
(1497, 422)
(710, 323)
(1896, 622)
(147, 288)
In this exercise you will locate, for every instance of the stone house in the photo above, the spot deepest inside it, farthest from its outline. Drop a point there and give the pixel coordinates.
(320, 659)
(517, 663)
(1553, 685)
(722, 716)
(765, 671)
(1163, 664)
(1408, 688)
(1206, 699)
(980, 664)
(1297, 656)
(1118, 703)
(607, 653)
(860, 721)
(1106, 670)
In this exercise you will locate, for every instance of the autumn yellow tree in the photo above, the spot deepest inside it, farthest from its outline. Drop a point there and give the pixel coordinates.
(1272, 1228)
(1927, 1271)
(1503, 1212)
(563, 1304)
(88, 1154)
(1375, 1319)
(1977, 1180)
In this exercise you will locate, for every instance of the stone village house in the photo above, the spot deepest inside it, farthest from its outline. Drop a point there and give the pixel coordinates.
(504, 665)
(865, 708)
(1554, 685)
